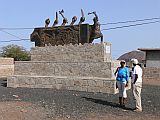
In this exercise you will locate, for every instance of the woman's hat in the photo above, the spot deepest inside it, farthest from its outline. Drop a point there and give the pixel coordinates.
(123, 61)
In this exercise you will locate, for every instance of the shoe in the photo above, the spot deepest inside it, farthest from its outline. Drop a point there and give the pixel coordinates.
(137, 110)
(120, 101)
(123, 106)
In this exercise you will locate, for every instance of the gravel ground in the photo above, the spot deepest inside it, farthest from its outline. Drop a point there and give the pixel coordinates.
(74, 105)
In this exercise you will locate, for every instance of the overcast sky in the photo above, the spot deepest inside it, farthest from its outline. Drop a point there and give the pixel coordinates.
(32, 13)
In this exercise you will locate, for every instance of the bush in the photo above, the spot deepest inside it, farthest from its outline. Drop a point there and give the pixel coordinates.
(17, 52)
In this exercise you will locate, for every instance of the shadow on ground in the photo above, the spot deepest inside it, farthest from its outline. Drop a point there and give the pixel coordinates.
(102, 102)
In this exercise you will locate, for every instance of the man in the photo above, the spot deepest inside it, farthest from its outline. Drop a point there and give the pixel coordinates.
(137, 85)
(122, 77)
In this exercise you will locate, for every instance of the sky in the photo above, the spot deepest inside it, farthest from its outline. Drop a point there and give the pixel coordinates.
(32, 13)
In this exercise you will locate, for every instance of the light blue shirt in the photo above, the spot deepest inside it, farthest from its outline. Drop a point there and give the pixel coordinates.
(123, 74)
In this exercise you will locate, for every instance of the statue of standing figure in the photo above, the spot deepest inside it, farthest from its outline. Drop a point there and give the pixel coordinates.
(95, 29)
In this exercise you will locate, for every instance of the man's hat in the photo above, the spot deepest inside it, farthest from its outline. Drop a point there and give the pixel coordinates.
(134, 61)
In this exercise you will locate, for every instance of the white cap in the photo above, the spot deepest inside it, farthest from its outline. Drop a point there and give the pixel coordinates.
(134, 61)
(123, 61)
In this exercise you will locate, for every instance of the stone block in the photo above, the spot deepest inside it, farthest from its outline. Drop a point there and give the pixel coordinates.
(77, 83)
(107, 83)
(78, 88)
(71, 88)
(92, 83)
(32, 82)
(84, 88)
(38, 80)
(6, 61)
(59, 86)
(58, 81)
(6, 70)
(105, 90)
(84, 83)
(69, 83)
(38, 85)
(96, 83)
(9, 84)
(93, 89)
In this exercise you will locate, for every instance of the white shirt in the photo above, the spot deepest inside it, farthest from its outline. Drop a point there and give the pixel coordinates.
(137, 70)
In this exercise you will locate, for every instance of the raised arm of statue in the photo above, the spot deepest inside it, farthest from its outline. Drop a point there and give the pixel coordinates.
(56, 20)
(64, 18)
(82, 19)
(96, 16)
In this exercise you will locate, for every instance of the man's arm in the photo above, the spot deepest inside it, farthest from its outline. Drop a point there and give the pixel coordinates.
(135, 78)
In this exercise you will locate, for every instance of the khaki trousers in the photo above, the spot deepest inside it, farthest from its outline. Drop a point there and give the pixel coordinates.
(136, 90)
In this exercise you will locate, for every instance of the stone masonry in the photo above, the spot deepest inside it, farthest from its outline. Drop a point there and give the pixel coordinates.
(6, 67)
(73, 53)
(87, 67)
(151, 75)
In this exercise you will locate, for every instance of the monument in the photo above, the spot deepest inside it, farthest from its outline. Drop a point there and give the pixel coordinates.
(67, 34)
(66, 58)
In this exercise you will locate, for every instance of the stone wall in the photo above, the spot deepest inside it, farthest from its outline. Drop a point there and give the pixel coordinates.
(153, 63)
(153, 55)
(41, 68)
(87, 67)
(151, 75)
(6, 67)
(153, 58)
(88, 84)
(73, 53)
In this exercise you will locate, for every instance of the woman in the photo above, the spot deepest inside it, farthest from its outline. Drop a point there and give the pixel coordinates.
(122, 77)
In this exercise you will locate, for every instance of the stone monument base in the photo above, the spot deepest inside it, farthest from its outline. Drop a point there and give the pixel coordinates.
(88, 84)
(87, 67)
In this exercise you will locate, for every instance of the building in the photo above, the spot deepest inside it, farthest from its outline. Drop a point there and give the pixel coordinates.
(152, 57)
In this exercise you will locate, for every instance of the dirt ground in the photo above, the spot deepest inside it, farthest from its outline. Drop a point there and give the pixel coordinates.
(114, 117)
(28, 111)
(21, 111)
(21, 104)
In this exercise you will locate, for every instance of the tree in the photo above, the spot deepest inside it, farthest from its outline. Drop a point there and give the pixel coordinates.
(17, 52)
